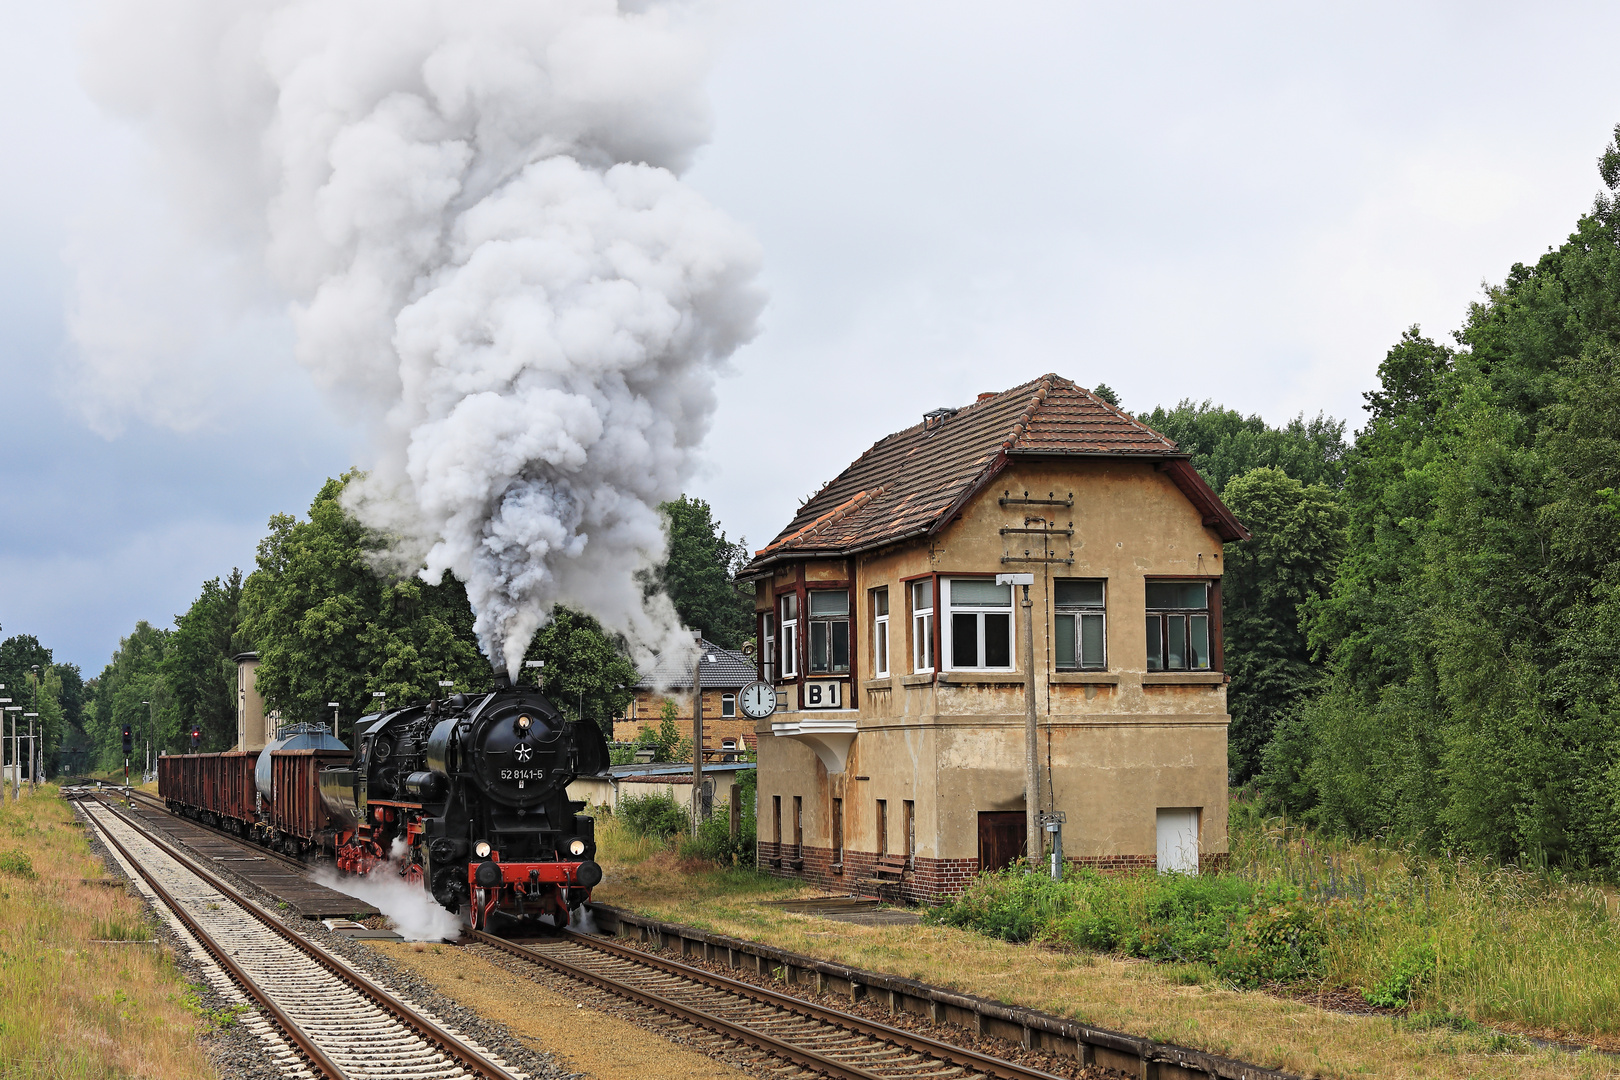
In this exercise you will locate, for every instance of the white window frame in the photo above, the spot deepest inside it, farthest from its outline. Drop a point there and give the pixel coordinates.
(790, 637)
(946, 630)
(767, 654)
(728, 704)
(922, 628)
(880, 634)
(1078, 614)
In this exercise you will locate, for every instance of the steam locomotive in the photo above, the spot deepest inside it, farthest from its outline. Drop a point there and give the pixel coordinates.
(466, 796)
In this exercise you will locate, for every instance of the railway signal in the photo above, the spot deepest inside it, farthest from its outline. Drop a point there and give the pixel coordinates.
(129, 748)
(196, 739)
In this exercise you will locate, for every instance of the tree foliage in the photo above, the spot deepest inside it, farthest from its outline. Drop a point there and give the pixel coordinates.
(199, 668)
(1298, 538)
(700, 575)
(329, 627)
(1473, 628)
(1224, 443)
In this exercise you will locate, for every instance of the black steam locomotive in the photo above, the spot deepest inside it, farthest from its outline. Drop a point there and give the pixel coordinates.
(469, 796)
(466, 796)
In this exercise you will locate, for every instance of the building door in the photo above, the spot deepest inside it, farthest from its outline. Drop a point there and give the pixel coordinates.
(1001, 839)
(1178, 841)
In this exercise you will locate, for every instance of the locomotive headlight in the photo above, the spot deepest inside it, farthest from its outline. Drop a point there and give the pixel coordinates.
(523, 723)
(481, 849)
(577, 847)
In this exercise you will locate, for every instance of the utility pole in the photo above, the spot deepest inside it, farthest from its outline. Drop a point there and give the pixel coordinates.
(32, 752)
(697, 736)
(1032, 779)
(5, 703)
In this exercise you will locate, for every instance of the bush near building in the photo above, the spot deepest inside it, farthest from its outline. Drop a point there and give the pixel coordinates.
(1471, 940)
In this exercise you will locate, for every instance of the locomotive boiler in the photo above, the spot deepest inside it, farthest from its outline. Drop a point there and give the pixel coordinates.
(469, 797)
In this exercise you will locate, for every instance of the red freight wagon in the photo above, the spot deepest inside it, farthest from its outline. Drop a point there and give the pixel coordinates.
(297, 809)
(216, 788)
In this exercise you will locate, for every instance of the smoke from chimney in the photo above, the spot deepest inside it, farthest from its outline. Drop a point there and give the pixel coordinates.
(474, 214)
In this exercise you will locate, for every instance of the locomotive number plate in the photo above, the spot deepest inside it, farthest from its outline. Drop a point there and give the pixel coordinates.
(523, 774)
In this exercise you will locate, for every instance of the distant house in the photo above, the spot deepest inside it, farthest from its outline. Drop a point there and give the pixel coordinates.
(901, 660)
(725, 673)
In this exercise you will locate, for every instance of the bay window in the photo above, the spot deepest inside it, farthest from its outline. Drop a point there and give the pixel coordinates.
(829, 632)
(981, 624)
(1079, 625)
(1178, 626)
(922, 625)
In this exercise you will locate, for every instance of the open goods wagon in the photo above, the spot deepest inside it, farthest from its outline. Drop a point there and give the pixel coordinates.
(217, 789)
(296, 811)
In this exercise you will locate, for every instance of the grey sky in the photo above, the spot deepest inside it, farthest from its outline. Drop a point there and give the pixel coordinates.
(1245, 204)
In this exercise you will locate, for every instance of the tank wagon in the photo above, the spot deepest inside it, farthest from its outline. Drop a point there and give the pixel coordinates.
(466, 796)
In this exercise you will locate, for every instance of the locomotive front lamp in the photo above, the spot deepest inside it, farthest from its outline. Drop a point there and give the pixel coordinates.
(481, 849)
(523, 723)
(577, 847)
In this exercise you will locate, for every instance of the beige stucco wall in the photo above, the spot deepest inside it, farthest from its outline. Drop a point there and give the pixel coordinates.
(1122, 743)
(250, 722)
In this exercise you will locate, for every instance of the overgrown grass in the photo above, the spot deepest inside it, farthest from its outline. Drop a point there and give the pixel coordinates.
(1493, 944)
(69, 1007)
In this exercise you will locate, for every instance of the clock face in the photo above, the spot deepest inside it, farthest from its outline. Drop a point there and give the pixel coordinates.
(758, 700)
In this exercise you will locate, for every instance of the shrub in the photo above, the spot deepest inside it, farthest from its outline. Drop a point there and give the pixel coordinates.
(1279, 944)
(17, 862)
(1412, 966)
(653, 815)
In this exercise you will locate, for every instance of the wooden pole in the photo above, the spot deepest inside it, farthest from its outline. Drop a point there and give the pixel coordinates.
(736, 810)
(1032, 779)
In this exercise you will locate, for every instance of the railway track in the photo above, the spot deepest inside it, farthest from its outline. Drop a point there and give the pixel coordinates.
(332, 1020)
(812, 1037)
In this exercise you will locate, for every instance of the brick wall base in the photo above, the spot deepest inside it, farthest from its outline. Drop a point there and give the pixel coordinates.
(929, 880)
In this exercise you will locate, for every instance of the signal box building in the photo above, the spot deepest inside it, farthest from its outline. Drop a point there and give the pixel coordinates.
(896, 755)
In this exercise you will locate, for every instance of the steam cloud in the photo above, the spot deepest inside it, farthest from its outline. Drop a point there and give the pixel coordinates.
(415, 915)
(475, 212)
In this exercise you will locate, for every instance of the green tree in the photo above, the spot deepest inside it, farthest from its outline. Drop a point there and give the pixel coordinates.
(1224, 443)
(200, 670)
(131, 679)
(700, 575)
(1470, 631)
(1298, 538)
(587, 674)
(328, 627)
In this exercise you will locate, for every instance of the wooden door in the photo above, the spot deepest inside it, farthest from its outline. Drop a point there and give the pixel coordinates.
(1001, 839)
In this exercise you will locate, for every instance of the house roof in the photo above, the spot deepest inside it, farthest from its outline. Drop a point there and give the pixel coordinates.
(730, 670)
(913, 482)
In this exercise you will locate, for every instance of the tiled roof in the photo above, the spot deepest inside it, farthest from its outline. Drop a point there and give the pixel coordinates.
(730, 670)
(912, 482)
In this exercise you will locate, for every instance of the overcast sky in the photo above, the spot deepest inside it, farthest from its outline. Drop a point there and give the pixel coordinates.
(1246, 204)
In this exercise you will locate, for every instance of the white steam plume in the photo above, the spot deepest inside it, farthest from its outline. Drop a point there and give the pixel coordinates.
(475, 212)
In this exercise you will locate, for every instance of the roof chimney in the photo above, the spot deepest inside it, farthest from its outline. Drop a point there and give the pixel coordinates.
(935, 417)
(987, 395)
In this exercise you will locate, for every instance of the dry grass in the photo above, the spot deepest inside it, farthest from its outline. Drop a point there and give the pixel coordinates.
(1141, 998)
(69, 1006)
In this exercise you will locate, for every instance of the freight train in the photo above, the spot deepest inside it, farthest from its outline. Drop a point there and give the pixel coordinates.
(466, 796)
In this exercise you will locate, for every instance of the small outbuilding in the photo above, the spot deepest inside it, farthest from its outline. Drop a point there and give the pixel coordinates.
(900, 746)
(674, 780)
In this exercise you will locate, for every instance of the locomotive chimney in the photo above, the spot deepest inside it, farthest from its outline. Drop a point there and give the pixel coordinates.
(502, 681)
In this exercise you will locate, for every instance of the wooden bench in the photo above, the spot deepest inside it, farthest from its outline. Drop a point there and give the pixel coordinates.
(888, 874)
